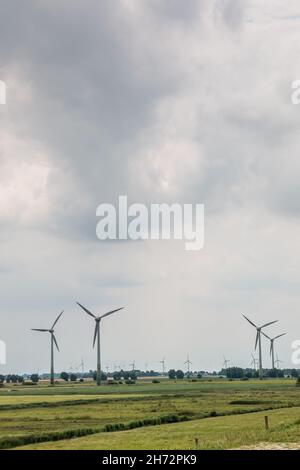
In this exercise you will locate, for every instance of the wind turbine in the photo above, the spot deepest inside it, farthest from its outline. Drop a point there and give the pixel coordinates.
(188, 362)
(278, 361)
(272, 346)
(163, 365)
(53, 341)
(254, 362)
(258, 340)
(97, 335)
(226, 362)
(80, 366)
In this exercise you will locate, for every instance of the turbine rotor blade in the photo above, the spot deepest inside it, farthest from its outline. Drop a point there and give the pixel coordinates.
(95, 334)
(112, 311)
(266, 335)
(270, 323)
(86, 310)
(279, 336)
(57, 319)
(251, 323)
(54, 339)
(256, 341)
(38, 329)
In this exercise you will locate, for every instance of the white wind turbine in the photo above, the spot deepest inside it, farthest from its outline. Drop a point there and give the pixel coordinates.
(272, 346)
(258, 342)
(97, 335)
(53, 341)
(188, 362)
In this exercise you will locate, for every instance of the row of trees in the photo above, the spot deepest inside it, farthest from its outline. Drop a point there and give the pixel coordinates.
(125, 375)
(15, 379)
(179, 374)
(240, 373)
(230, 373)
(121, 375)
(72, 377)
(68, 377)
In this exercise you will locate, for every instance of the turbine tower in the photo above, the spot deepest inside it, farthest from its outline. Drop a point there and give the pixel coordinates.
(82, 366)
(258, 341)
(97, 335)
(53, 341)
(188, 362)
(272, 346)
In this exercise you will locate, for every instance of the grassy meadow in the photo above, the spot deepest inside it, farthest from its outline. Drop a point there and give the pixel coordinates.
(221, 414)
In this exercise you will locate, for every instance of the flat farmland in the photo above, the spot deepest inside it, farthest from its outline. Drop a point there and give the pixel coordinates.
(167, 415)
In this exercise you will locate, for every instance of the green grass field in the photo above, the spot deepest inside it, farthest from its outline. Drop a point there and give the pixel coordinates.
(221, 414)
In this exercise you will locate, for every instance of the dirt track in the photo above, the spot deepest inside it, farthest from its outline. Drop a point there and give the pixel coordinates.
(273, 446)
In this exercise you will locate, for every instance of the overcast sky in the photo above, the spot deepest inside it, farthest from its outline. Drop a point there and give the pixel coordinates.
(163, 101)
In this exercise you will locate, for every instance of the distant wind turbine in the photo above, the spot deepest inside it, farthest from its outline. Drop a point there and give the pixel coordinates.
(97, 335)
(80, 366)
(272, 346)
(53, 341)
(163, 365)
(258, 341)
(188, 362)
(278, 361)
(226, 362)
(254, 362)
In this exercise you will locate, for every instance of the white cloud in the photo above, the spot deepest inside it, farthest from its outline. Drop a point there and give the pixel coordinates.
(23, 181)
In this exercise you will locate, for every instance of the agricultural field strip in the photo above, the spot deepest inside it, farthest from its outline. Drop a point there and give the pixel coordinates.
(225, 432)
(127, 424)
(144, 388)
(238, 397)
(58, 415)
(16, 403)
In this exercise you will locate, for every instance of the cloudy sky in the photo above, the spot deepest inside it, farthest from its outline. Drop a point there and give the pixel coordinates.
(164, 101)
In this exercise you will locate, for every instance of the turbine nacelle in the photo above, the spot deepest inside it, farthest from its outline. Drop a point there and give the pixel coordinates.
(272, 341)
(259, 328)
(51, 330)
(99, 318)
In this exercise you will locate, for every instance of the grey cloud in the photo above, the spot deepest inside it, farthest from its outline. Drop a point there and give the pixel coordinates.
(232, 12)
(114, 100)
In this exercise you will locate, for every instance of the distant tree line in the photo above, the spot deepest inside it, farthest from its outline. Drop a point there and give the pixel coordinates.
(240, 373)
(173, 374)
(176, 374)
(15, 379)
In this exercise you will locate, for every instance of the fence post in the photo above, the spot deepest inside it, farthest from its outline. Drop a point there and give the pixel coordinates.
(267, 422)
